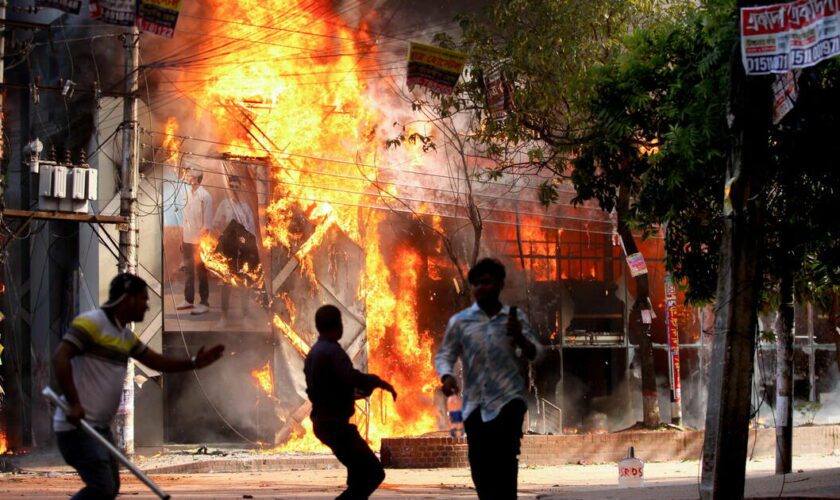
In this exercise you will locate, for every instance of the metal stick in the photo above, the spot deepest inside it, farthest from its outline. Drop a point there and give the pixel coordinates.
(89, 430)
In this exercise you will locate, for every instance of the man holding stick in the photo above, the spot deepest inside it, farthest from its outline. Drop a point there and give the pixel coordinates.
(90, 366)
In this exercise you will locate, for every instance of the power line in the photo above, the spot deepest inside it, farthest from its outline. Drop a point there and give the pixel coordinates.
(267, 42)
(213, 63)
(364, 179)
(301, 32)
(388, 66)
(386, 207)
(333, 160)
(419, 201)
(198, 84)
(263, 40)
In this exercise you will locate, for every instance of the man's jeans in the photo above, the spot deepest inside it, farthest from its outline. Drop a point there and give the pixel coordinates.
(364, 472)
(194, 266)
(98, 468)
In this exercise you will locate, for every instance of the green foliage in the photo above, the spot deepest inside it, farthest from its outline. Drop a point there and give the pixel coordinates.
(547, 193)
(428, 144)
(544, 51)
(808, 410)
(658, 129)
(767, 336)
(659, 110)
(632, 97)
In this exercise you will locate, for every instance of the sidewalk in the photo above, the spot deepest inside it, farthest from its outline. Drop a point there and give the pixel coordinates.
(668, 480)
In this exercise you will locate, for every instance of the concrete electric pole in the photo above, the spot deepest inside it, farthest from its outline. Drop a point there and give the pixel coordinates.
(2, 81)
(739, 284)
(129, 175)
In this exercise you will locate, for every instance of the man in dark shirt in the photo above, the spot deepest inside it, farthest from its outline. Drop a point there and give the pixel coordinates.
(332, 385)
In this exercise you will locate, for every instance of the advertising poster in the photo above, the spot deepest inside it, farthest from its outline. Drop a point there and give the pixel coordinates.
(782, 37)
(672, 323)
(433, 67)
(158, 16)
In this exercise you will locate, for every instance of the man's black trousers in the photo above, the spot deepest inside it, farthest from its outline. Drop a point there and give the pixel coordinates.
(494, 451)
(364, 472)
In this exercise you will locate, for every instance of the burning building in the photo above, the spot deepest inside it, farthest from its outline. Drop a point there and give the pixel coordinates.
(378, 231)
(293, 103)
(297, 102)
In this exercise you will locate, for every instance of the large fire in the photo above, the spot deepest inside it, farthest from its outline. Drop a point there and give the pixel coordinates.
(4, 443)
(296, 93)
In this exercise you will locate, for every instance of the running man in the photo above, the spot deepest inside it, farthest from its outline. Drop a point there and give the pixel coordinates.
(90, 366)
(333, 385)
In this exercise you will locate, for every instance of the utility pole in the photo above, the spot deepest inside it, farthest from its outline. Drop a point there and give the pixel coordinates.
(739, 279)
(2, 81)
(129, 174)
(784, 373)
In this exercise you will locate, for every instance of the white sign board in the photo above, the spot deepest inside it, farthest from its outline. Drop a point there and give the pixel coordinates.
(785, 94)
(782, 37)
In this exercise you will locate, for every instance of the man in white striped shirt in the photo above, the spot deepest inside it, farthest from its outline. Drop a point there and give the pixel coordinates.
(90, 366)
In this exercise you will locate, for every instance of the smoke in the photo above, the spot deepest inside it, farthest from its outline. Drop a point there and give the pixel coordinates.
(417, 184)
(828, 410)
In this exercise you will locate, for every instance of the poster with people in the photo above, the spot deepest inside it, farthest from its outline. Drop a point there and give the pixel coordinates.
(214, 264)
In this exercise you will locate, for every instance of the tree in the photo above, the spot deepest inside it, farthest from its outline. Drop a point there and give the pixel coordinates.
(656, 127)
(462, 169)
(671, 124)
(545, 51)
(666, 92)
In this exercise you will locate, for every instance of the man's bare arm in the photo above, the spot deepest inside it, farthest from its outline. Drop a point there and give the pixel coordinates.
(168, 364)
(64, 375)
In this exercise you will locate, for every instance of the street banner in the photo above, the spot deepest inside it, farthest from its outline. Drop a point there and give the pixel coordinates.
(497, 94)
(782, 37)
(69, 6)
(637, 264)
(672, 323)
(785, 94)
(435, 68)
(119, 12)
(158, 16)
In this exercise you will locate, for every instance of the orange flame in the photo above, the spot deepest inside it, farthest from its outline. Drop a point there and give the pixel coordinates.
(170, 145)
(304, 104)
(435, 267)
(4, 443)
(399, 352)
(537, 248)
(264, 379)
(290, 306)
(304, 253)
(222, 267)
(298, 343)
(302, 440)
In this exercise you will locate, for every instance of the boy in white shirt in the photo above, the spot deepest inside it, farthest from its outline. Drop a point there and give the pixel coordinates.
(198, 213)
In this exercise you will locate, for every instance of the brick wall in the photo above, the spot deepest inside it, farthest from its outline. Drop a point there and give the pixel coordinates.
(436, 452)
(424, 452)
